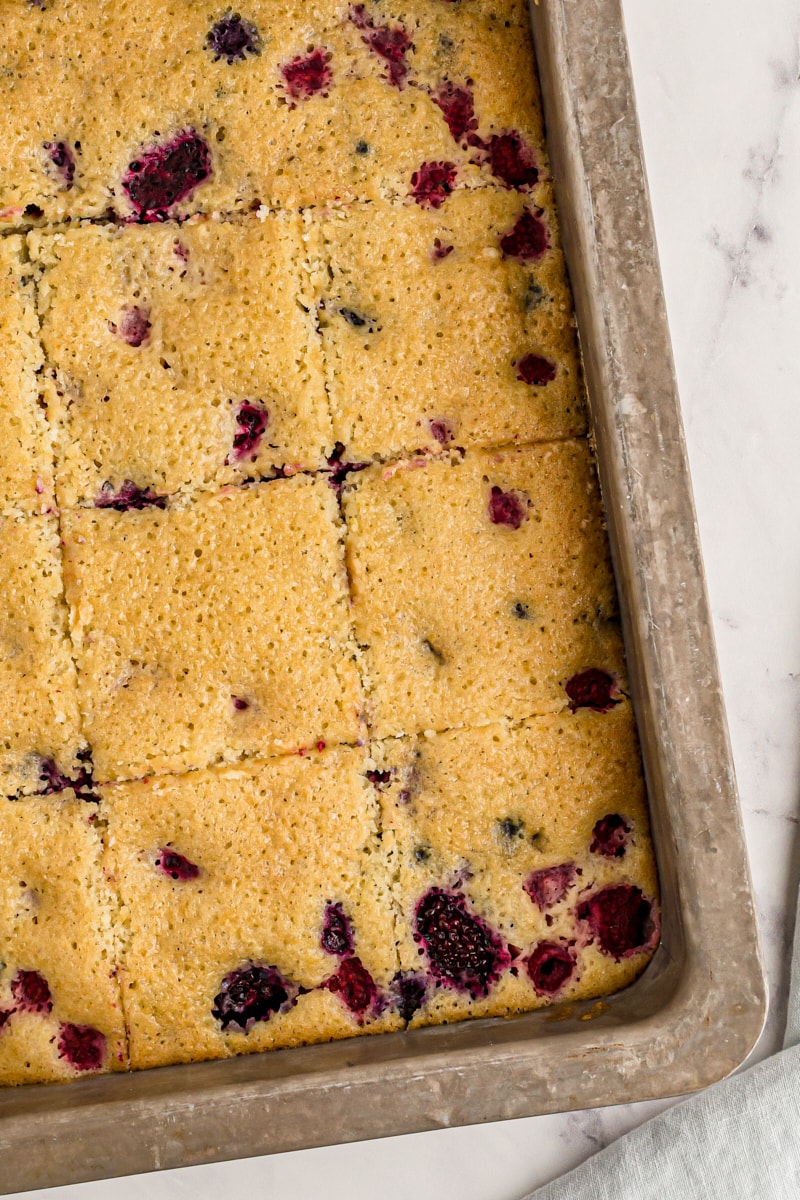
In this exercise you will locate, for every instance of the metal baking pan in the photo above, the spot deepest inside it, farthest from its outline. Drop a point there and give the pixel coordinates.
(698, 1010)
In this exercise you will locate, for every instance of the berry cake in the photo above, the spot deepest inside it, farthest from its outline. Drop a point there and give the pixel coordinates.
(316, 718)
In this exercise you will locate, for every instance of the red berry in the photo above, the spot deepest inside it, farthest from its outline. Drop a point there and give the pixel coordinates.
(165, 174)
(458, 107)
(133, 326)
(252, 419)
(611, 836)
(550, 885)
(550, 966)
(592, 689)
(529, 239)
(308, 75)
(389, 42)
(83, 1047)
(621, 919)
(507, 508)
(536, 370)
(355, 987)
(31, 992)
(432, 183)
(511, 160)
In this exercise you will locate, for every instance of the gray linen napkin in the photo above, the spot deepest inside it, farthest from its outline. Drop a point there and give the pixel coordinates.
(738, 1140)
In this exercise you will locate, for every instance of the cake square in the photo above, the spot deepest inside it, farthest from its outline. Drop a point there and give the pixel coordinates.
(434, 335)
(41, 742)
(181, 356)
(257, 908)
(482, 587)
(524, 869)
(26, 452)
(60, 1011)
(211, 629)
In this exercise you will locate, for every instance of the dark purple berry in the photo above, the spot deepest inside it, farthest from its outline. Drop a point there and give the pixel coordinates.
(535, 370)
(337, 931)
(464, 952)
(389, 42)
(175, 865)
(129, 496)
(308, 75)
(83, 1047)
(592, 689)
(458, 107)
(528, 240)
(233, 38)
(409, 991)
(355, 987)
(507, 508)
(442, 430)
(379, 778)
(510, 827)
(133, 326)
(440, 250)
(5, 1015)
(250, 994)
(550, 966)
(31, 992)
(550, 885)
(165, 174)
(340, 468)
(251, 422)
(432, 183)
(61, 164)
(240, 704)
(611, 836)
(521, 611)
(621, 920)
(511, 160)
(54, 780)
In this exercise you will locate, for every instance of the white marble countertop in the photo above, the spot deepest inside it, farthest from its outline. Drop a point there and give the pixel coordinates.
(718, 85)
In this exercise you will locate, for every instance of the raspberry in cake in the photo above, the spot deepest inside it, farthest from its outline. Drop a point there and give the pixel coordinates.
(477, 819)
(26, 462)
(481, 585)
(242, 957)
(469, 347)
(40, 735)
(58, 945)
(180, 357)
(180, 612)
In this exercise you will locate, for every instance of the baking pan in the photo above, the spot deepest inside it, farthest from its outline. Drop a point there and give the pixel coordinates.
(698, 1010)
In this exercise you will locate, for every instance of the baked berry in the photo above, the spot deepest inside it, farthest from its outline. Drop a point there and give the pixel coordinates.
(362, 147)
(133, 326)
(355, 987)
(521, 611)
(535, 370)
(233, 38)
(409, 992)
(507, 508)
(463, 951)
(60, 164)
(175, 865)
(240, 704)
(337, 931)
(550, 885)
(251, 422)
(550, 966)
(54, 780)
(458, 109)
(5, 1016)
(308, 75)
(611, 836)
(250, 994)
(130, 495)
(31, 992)
(442, 430)
(379, 778)
(510, 828)
(592, 689)
(440, 250)
(165, 174)
(83, 1047)
(621, 919)
(511, 160)
(432, 183)
(528, 240)
(389, 42)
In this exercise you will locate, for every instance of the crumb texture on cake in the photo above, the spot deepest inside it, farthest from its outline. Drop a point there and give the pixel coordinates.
(315, 713)
(60, 1008)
